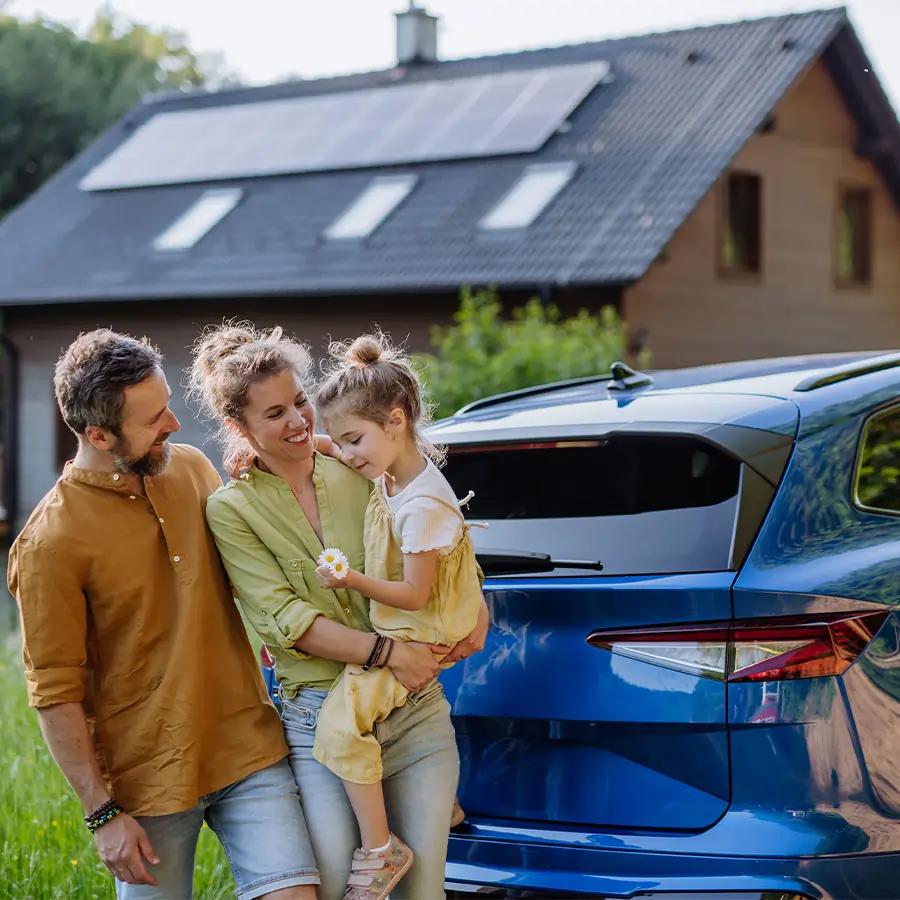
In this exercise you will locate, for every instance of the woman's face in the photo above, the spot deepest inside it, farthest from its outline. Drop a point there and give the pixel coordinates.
(279, 420)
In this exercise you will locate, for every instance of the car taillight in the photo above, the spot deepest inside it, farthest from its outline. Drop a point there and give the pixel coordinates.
(773, 650)
(266, 660)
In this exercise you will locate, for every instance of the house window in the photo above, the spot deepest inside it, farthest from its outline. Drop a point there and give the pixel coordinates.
(877, 486)
(66, 444)
(854, 237)
(529, 196)
(198, 220)
(383, 195)
(741, 249)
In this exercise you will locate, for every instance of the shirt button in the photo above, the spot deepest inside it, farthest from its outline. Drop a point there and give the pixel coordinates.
(177, 559)
(162, 521)
(116, 477)
(294, 563)
(132, 497)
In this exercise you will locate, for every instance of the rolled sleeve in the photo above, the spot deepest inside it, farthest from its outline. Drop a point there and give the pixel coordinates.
(53, 613)
(293, 620)
(278, 614)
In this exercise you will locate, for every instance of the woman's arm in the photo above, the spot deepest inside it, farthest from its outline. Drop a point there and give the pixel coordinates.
(282, 618)
(414, 665)
(412, 593)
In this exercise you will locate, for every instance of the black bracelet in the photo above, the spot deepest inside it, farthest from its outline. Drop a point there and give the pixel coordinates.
(376, 652)
(387, 656)
(102, 814)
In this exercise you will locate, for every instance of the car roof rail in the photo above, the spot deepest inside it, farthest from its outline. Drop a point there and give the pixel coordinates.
(622, 378)
(530, 391)
(847, 371)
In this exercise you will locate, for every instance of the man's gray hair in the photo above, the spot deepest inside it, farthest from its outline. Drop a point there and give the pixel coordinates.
(92, 374)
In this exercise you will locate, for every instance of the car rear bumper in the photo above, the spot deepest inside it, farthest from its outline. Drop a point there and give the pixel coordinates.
(494, 868)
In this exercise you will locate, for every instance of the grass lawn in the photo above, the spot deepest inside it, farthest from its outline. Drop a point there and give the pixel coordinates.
(46, 852)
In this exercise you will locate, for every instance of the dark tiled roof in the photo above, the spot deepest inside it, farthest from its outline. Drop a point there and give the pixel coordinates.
(649, 145)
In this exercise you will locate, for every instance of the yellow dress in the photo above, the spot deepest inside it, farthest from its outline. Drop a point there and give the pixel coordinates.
(345, 741)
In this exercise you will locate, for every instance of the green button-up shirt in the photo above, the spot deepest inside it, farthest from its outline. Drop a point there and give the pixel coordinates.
(270, 550)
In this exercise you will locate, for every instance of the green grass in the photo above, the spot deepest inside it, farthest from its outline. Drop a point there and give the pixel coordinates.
(46, 853)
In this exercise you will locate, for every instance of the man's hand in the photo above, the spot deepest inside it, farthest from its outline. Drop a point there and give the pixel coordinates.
(415, 665)
(474, 642)
(123, 846)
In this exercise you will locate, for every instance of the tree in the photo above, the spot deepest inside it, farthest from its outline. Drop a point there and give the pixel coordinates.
(481, 354)
(60, 90)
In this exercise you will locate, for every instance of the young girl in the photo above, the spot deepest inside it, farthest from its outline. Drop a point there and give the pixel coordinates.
(421, 576)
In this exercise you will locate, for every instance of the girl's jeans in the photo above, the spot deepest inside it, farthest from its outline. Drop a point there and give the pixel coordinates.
(421, 773)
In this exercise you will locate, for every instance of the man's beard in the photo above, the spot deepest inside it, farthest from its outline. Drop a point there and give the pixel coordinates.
(145, 466)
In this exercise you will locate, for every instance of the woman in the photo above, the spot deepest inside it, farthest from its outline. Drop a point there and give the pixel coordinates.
(270, 525)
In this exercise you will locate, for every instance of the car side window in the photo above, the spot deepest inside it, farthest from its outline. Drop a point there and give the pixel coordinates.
(877, 481)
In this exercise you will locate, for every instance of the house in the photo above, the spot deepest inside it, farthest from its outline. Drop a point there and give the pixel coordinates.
(732, 190)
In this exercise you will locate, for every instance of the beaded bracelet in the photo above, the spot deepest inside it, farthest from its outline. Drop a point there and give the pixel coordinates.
(103, 814)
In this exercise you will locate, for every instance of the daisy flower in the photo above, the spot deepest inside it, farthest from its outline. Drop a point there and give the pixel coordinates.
(335, 560)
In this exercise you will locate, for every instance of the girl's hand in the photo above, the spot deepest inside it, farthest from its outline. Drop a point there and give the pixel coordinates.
(329, 579)
(326, 446)
(474, 643)
(414, 665)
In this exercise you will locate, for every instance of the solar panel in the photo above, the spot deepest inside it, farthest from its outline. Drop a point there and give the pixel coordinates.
(458, 118)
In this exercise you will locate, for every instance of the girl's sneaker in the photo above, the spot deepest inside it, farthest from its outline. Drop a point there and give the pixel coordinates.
(375, 873)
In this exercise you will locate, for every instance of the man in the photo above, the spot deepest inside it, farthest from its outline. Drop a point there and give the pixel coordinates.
(148, 691)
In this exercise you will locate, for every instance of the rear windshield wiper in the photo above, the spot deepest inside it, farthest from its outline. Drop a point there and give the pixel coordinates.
(525, 562)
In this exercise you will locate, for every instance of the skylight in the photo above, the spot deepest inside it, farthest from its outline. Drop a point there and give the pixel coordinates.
(383, 195)
(198, 220)
(529, 196)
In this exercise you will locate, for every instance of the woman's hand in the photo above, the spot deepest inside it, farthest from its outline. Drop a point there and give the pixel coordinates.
(474, 643)
(414, 665)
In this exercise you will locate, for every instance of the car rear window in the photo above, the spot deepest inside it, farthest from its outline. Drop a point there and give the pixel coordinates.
(640, 504)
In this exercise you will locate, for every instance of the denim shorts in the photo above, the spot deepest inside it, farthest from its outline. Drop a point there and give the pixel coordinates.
(261, 826)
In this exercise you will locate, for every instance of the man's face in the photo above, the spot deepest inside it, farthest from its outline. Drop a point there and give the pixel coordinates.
(147, 422)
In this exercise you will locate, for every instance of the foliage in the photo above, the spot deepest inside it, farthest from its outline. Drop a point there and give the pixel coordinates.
(46, 853)
(482, 354)
(60, 90)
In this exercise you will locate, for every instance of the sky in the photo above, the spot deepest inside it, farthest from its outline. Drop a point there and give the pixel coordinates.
(269, 39)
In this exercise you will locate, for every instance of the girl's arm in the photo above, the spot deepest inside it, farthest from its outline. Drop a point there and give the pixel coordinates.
(412, 593)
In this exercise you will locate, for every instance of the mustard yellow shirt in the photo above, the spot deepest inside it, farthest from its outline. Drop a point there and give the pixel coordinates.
(270, 551)
(125, 609)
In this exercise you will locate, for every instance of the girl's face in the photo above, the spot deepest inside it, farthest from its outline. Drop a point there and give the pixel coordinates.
(279, 419)
(369, 447)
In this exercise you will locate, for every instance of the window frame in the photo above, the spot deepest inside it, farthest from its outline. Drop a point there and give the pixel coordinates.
(725, 271)
(892, 409)
(845, 189)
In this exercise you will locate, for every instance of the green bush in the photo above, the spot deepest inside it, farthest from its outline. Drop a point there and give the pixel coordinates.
(483, 354)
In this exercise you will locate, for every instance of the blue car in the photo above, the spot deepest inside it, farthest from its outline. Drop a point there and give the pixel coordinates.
(691, 688)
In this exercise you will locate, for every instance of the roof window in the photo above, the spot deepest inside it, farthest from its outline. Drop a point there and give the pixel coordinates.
(529, 196)
(198, 220)
(383, 195)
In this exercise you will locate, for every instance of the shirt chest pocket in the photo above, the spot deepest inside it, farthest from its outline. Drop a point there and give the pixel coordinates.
(301, 575)
(300, 572)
